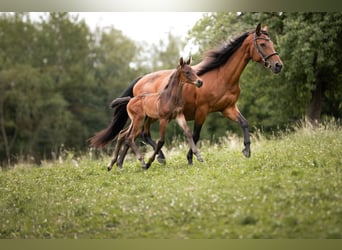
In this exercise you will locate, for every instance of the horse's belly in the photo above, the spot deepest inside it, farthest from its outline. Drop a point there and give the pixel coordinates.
(151, 106)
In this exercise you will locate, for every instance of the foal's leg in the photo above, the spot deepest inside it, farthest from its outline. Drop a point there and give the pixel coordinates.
(162, 128)
(120, 140)
(234, 114)
(130, 140)
(182, 123)
(146, 135)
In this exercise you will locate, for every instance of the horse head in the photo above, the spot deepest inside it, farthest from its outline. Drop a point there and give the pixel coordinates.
(263, 50)
(188, 74)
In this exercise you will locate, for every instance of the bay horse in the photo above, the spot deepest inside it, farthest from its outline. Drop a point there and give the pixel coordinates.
(164, 106)
(220, 70)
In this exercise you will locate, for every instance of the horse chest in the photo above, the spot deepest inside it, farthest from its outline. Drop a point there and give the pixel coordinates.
(169, 111)
(228, 99)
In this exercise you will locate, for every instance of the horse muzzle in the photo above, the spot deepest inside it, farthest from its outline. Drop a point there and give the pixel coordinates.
(199, 83)
(275, 67)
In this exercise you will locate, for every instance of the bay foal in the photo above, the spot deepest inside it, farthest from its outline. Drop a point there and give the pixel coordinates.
(164, 106)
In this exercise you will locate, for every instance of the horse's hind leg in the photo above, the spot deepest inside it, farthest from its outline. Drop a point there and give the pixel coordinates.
(122, 155)
(130, 143)
(121, 139)
(246, 141)
(146, 135)
(130, 139)
(234, 114)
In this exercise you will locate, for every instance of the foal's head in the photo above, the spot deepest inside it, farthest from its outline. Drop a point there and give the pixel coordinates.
(188, 74)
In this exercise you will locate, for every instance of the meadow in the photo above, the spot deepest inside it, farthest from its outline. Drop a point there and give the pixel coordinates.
(291, 187)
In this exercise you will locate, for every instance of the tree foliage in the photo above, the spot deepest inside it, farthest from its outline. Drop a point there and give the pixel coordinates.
(57, 79)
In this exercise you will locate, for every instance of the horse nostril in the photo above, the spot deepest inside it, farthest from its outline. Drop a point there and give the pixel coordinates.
(278, 67)
(199, 83)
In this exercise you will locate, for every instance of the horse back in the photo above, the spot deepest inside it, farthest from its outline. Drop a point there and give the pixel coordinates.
(152, 82)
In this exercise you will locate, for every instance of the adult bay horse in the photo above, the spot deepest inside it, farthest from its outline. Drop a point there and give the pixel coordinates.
(220, 70)
(164, 106)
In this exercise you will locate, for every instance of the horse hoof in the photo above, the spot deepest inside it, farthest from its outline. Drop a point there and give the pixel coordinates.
(161, 160)
(109, 168)
(146, 166)
(190, 162)
(199, 157)
(246, 153)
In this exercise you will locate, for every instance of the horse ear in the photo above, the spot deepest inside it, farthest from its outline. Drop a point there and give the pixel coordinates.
(181, 61)
(189, 60)
(258, 30)
(265, 28)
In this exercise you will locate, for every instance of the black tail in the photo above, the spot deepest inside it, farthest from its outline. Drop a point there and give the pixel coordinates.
(120, 101)
(120, 116)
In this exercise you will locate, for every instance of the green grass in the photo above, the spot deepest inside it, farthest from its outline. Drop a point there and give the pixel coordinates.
(291, 187)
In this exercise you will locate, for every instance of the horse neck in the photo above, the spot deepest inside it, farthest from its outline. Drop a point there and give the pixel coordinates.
(233, 68)
(173, 91)
(230, 72)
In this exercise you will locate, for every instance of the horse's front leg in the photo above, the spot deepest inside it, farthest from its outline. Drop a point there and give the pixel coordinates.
(146, 135)
(195, 137)
(201, 114)
(162, 129)
(234, 114)
(182, 123)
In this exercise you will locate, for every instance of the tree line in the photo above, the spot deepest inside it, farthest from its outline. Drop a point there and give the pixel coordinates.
(57, 77)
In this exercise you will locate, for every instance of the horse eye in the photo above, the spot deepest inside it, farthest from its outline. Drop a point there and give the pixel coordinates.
(263, 45)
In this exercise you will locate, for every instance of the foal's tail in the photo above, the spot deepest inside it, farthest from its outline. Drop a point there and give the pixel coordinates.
(120, 101)
(120, 116)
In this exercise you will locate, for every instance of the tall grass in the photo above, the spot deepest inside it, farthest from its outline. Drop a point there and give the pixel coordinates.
(289, 188)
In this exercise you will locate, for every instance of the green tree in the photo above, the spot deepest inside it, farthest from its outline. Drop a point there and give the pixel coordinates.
(57, 79)
(33, 117)
(311, 45)
(113, 58)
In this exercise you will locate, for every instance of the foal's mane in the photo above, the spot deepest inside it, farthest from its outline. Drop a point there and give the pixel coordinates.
(171, 78)
(216, 57)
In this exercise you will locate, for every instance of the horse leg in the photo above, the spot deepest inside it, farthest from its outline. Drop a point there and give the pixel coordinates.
(122, 155)
(146, 135)
(135, 132)
(182, 123)
(201, 114)
(195, 137)
(246, 140)
(119, 142)
(162, 128)
(234, 114)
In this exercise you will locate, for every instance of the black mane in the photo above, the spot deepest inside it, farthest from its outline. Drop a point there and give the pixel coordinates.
(217, 57)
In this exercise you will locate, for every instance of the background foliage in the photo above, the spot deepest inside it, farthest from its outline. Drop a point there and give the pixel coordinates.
(57, 77)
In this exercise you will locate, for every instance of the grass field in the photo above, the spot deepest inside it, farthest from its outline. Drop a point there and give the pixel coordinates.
(291, 187)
